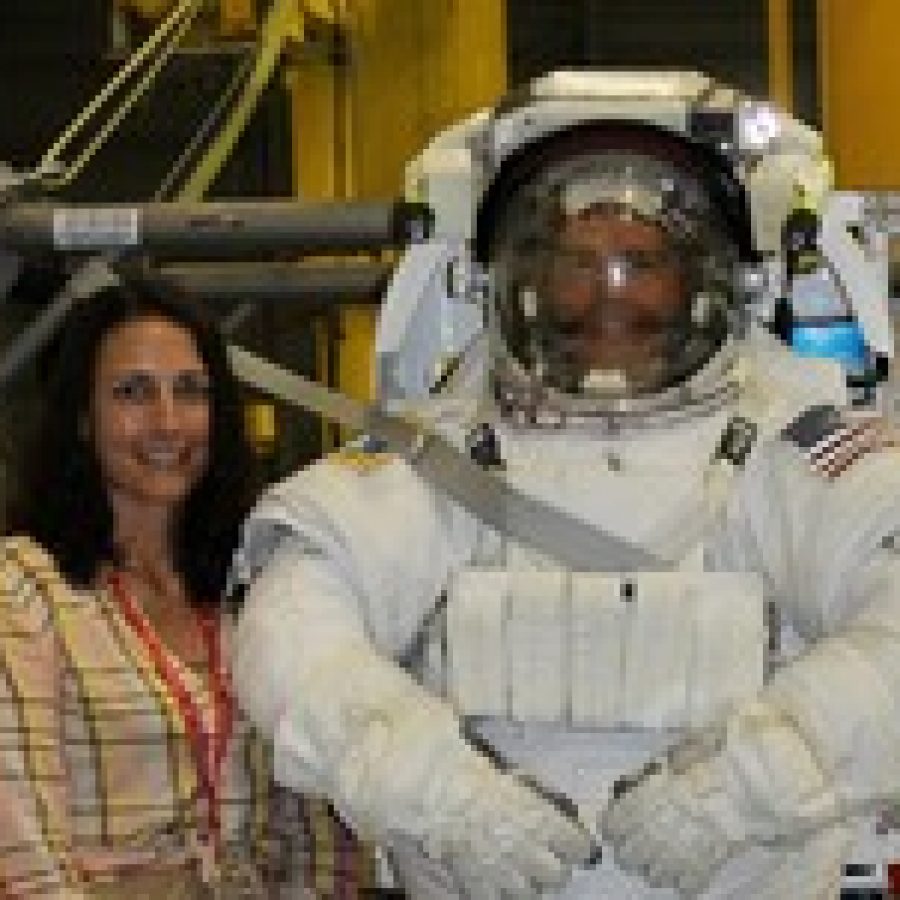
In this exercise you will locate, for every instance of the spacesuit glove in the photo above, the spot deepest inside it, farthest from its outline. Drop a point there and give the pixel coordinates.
(752, 780)
(393, 758)
(493, 834)
(453, 878)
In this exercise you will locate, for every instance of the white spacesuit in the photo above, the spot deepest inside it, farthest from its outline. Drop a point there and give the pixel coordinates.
(716, 717)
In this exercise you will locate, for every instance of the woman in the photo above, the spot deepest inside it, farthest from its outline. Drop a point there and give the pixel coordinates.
(125, 768)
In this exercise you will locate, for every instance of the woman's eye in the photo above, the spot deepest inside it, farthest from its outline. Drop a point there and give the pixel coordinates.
(192, 387)
(187, 387)
(135, 389)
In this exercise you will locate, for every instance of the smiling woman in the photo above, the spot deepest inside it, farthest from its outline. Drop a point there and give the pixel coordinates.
(114, 636)
(150, 413)
(140, 446)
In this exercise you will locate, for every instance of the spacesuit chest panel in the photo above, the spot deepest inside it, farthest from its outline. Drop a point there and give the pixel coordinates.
(525, 640)
(591, 650)
(578, 678)
(644, 488)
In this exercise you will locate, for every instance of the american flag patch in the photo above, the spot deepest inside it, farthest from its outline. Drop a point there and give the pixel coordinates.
(832, 441)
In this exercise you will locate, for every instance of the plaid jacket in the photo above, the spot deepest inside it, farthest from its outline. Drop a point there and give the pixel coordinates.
(98, 777)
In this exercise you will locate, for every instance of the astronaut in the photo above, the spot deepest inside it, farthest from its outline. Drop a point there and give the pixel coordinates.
(717, 710)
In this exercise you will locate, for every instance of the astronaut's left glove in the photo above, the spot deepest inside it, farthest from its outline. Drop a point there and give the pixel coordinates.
(754, 780)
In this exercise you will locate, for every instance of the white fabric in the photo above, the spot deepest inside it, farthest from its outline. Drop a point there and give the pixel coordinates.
(821, 545)
(364, 554)
(683, 821)
(573, 648)
(365, 734)
(819, 745)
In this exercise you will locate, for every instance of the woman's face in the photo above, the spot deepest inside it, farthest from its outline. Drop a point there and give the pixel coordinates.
(150, 411)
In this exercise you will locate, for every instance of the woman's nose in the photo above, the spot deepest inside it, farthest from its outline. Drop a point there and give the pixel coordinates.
(165, 409)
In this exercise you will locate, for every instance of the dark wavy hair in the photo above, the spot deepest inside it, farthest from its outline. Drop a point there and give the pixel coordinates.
(62, 502)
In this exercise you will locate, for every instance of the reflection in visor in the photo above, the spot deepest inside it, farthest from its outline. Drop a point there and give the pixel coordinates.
(614, 279)
(613, 301)
(614, 271)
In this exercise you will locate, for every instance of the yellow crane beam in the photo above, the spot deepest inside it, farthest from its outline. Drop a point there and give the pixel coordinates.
(407, 69)
(781, 53)
(860, 91)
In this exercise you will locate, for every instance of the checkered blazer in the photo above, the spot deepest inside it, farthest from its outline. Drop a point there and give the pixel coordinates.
(98, 781)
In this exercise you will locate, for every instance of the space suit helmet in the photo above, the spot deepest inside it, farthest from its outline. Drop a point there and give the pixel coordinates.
(616, 250)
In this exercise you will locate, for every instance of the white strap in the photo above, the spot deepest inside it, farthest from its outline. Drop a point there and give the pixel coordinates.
(483, 492)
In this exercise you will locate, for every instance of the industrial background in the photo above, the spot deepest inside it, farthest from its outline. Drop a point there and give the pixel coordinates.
(359, 87)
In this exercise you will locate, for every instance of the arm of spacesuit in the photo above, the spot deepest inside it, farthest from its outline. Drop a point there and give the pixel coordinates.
(819, 743)
(841, 700)
(351, 724)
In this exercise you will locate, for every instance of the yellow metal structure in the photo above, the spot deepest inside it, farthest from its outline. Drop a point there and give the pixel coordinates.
(781, 53)
(860, 90)
(238, 17)
(261, 424)
(401, 71)
(408, 69)
(282, 24)
(147, 9)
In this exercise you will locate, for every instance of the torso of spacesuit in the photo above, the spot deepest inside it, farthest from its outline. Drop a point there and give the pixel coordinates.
(578, 678)
(526, 639)
(398, 546)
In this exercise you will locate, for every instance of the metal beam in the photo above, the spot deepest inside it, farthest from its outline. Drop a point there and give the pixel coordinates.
(237, 16)
(781, 53)
(312, 286)
(185, 230)
(860, 91)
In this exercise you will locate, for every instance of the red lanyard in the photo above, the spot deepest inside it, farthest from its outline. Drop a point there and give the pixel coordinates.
(208, 733)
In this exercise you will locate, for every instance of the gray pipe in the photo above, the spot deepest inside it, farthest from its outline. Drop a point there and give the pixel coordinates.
(312, 286)
(217, 229)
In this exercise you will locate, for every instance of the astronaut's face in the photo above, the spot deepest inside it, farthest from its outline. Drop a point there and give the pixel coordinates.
(615, 288)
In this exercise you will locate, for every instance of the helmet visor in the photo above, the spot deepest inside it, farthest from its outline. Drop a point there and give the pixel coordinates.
(612, 278)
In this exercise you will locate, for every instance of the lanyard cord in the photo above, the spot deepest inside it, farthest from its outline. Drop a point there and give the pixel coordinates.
(208, 735)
